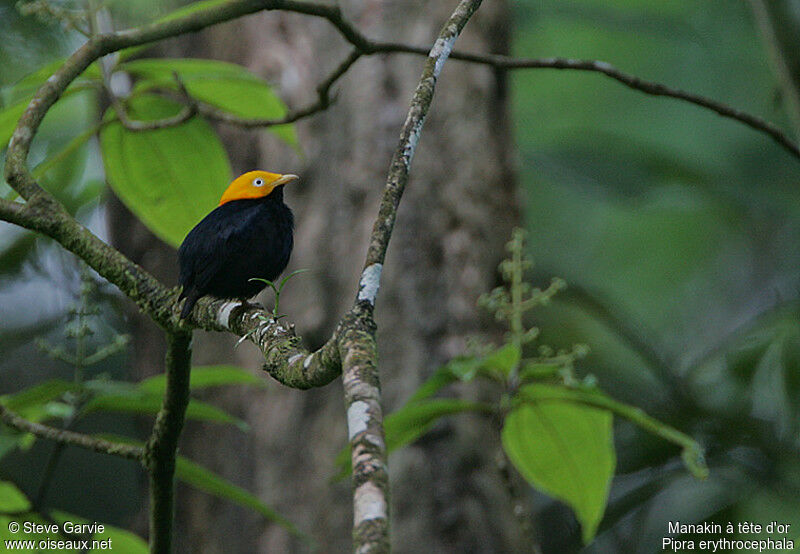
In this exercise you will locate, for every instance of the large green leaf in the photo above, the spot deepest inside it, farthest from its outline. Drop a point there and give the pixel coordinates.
(170, 178)
(229, 87)
(207, 376)
(565, 450)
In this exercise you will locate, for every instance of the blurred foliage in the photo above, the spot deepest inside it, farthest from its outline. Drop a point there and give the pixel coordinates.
(556, 428)
(678, 233)
(66, 404)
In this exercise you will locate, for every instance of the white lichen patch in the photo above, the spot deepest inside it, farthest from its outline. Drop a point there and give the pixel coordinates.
(21, 134)
(224, 314)
(441, 51)
(370, 503)
(411, 145)
(357, 418)
(369, 283)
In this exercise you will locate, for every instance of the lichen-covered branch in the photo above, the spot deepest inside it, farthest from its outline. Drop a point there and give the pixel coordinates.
(356, 339)
(285, 359)
(409, 136)
(160, 450)
(72, 438)
(362, 397)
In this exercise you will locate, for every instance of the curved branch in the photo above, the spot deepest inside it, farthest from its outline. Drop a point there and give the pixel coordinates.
(63, 436)
(189, 110)
(285, 359)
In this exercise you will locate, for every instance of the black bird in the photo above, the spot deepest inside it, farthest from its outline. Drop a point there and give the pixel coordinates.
(249, 235)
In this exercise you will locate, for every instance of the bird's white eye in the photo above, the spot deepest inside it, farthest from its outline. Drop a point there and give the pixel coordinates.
(258, 182)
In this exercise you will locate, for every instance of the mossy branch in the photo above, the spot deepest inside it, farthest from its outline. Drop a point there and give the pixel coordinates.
(72, 438)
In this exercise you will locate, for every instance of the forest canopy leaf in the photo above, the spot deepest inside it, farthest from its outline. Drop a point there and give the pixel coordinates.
(170, 178)
(565, 450)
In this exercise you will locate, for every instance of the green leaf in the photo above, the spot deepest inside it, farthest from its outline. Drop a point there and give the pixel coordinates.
(537, 370)
(207, 481)
(191, 8)
(464, 368)
(120, 540)
(692, 452)
(411, 422)
(131, 52)
(29, 403)
(207, 376)
(19, 95)
(146, 403)
(502, 360)
(12, 499)
(416, 418)
(440, 379)
(9, 117)
(565, 450)
(229, 87)
(170, 178)
(27, 86)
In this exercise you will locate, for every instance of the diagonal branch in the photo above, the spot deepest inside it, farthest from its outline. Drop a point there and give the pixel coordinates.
(72, 438)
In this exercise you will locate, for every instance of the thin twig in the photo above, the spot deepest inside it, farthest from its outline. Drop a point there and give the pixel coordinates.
(323, 101)
(69, 437)
(189, 110)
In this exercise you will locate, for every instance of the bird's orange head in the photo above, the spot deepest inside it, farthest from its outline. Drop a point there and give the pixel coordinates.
(255, 184)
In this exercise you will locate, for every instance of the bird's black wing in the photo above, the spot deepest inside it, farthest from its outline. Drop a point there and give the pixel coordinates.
(206, 249)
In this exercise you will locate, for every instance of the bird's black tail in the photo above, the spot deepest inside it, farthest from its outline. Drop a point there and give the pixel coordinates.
(191, 300)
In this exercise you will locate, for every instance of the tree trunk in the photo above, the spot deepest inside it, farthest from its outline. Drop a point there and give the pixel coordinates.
(457, 213)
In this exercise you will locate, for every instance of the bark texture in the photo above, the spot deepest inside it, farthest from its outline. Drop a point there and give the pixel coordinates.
(456, 215)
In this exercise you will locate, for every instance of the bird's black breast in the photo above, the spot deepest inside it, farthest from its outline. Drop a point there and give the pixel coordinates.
(238, 241)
